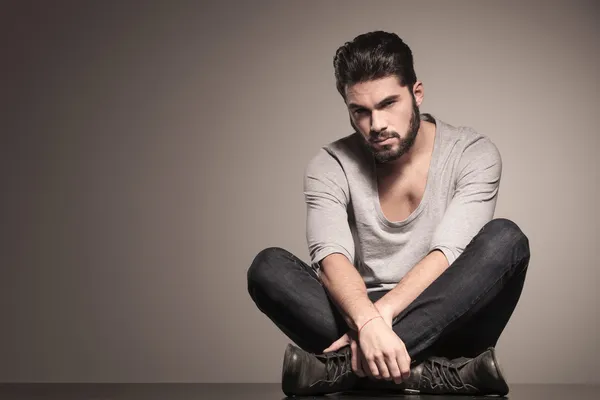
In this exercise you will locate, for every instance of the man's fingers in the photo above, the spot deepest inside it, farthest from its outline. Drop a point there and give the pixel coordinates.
(361, 362)
(356, 367)
(382, 366)
(403, 360)
(373, 369)
(402, 369)
(365, 366)
(332, 347)
(393, 365)
(404, 364)
(338, 344)
(353, 347)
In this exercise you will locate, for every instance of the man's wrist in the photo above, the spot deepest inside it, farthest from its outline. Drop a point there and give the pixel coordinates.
(364, 316)
(385, 308)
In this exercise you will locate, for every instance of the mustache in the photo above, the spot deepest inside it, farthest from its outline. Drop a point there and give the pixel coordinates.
(381, 136)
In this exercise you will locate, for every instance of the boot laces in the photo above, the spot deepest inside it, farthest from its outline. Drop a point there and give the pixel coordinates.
(337, 364)
(442, 373)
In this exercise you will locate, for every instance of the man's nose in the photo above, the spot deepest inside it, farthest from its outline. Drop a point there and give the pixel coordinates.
(378, 124)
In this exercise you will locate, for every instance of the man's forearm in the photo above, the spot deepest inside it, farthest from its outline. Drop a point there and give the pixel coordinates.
(414, 283)
(347, 289)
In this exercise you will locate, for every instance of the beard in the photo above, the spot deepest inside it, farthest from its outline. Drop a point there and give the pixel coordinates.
(389, 153)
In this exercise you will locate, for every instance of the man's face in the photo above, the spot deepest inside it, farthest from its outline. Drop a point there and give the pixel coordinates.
(386, 115)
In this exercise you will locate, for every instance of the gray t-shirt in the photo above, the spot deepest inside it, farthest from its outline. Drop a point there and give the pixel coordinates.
(344, 214)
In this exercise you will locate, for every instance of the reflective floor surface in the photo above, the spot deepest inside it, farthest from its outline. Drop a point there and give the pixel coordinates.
(245, 391)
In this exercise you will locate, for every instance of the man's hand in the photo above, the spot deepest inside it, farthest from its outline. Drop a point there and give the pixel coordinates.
(397, 366)
(384, 353)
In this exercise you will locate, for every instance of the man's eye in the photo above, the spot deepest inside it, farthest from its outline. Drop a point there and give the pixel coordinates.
(388, 104)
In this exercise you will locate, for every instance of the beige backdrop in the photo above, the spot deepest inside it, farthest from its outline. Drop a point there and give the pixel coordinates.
(148, 153)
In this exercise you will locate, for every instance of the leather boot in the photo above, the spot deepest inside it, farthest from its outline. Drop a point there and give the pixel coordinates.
(310, 374)
(306, 374)
(478, 376)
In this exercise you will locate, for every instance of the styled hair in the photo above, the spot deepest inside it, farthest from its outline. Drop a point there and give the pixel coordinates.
(373, 55)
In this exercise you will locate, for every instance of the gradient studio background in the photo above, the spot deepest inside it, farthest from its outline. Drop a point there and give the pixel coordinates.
(150, 151)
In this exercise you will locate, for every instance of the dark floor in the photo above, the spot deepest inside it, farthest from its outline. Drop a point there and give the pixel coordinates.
(245, 391)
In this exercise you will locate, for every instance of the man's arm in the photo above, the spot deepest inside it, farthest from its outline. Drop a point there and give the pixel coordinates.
(412, 284)
(330, 241)
(347, 289)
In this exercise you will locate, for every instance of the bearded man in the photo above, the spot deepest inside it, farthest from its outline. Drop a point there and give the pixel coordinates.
(411, 279)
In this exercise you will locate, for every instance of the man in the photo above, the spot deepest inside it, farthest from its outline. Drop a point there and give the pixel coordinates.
(411, 281)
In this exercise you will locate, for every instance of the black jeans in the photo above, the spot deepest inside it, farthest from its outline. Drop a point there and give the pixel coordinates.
(462, 313)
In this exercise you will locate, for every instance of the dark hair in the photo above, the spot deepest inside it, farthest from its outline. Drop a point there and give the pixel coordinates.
(373, 55)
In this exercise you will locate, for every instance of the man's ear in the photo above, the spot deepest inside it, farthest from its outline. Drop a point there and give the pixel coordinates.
(418, 92)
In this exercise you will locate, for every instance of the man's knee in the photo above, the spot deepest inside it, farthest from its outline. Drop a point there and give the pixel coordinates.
(503, 227)
(505, 235)
(263, 266)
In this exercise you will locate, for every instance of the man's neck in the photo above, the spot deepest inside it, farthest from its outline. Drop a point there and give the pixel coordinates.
(421, 147)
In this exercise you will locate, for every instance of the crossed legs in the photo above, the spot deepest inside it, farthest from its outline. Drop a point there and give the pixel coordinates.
(461, 313)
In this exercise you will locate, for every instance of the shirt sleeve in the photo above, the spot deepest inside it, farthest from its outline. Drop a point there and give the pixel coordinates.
(474, 200)
(327, 197)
